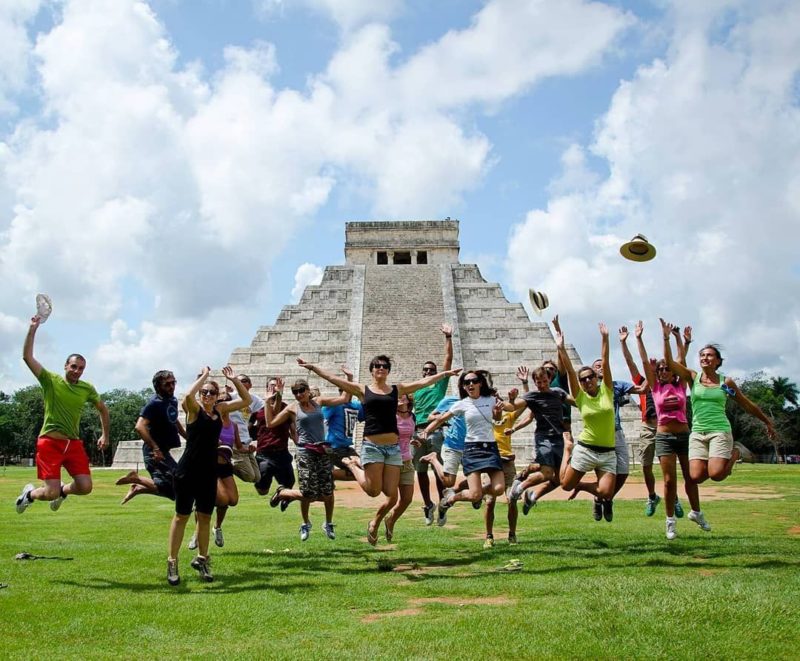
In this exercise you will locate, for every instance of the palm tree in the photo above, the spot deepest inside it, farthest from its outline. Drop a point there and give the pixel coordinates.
(785, 390)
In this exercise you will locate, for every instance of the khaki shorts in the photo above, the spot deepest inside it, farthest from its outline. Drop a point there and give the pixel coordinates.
(509, 472)
(245, 466)
(407, 474)
(647, 446)
(585, 460)
(621, 450)
(714, 445)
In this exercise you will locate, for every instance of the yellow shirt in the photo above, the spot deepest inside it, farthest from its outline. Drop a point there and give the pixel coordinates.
(503, 441)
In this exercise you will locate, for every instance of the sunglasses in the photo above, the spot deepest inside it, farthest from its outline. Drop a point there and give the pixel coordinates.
(380, 366)
(298, 391)
(585, 379)
(207, 393)
(471, 382)
(426, 370)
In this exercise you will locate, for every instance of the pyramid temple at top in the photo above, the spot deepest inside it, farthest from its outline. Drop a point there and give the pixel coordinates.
(400, 282)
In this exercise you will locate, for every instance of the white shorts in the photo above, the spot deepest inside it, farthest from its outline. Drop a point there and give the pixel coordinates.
(586, 460)
(451, 460)
(713, 445)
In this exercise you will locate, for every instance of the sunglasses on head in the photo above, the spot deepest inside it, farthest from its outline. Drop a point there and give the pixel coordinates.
(472, 382)
(588, 377)
(299, 391)
(208, 392)
(380, 366)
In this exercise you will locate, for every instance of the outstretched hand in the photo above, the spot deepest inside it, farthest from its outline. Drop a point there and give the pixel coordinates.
(347, 372)
(666, 328)
(228, 373)
(522, 373)
(304, 364)
(447, 329)
(623, 334)
(639, 329)
(513, 394)
(556, 324)
(603, 329)
(687, 334)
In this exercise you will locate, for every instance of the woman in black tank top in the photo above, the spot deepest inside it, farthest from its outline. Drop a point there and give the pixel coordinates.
(380, 453)
(196, 476)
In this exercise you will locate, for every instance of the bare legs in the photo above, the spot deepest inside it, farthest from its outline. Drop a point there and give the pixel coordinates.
(51, 489)
(375, 478)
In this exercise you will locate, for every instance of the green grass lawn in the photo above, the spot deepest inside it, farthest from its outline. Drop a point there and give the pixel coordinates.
(586, 589)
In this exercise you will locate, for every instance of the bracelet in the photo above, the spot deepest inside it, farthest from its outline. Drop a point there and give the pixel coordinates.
(524, 380)
(448, 337)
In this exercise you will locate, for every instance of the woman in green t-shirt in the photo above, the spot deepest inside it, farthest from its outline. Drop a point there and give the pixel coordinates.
(594, 449)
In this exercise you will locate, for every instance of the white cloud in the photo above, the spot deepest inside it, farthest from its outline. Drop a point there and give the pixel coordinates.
(703, 150)
(139, 169)
(306, 274)
(16, 50)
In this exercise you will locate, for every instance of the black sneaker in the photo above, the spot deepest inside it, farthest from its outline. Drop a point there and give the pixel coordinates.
(172, 572)
(285, 504)
(608, 510)
(276, 498)
(427, 512)
(203, 567)
(597, 509)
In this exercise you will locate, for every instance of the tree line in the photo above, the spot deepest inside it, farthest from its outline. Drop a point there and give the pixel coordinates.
(21, 415)
(22, 412)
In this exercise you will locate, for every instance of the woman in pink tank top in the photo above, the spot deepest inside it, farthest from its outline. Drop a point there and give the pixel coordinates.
(672, 431)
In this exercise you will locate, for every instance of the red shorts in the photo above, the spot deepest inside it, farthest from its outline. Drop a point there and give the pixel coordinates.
(53, 453)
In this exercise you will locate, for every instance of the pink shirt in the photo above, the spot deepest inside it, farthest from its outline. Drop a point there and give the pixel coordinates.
(670, 401)
(405, 430)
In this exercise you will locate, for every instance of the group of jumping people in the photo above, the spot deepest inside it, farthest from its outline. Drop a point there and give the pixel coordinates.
(409, 428)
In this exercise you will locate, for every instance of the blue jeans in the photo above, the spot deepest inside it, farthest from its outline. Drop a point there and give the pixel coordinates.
(372, 453)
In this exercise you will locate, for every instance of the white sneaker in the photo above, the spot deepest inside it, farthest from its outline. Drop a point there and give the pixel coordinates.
(328, 530)
(192, 545)
(700, 520)
(55, 504)
(515, 492)
(22, 502)
(219, 540)
(305, 531)
(672, 527)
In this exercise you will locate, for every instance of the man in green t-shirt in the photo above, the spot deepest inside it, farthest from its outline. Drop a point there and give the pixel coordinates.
(425, 402)
(59, 443)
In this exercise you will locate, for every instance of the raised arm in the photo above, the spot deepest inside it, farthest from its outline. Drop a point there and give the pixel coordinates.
(561, 364)
(405, 388)
(683, 346)
(27, 349)
(189, 400)
(751, 407)
(649, 373)
(438, 422)
(523, 374)
(245, 399)
(674, 366)
(274, 418)
(605, 353)
(343, 397)
(572, 378)
(623, 340)
(343, 384)
(447, 329)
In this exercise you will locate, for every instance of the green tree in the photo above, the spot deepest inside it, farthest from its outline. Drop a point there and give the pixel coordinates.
(785, 390)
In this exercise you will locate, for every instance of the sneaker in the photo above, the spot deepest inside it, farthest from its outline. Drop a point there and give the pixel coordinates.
(219, 540)
(488, 543)
(192, 545)
(678, 509)
(427, 512)
(444, 505)
(327, 528)
(672, 527)
(700, 520)
(441, 516)
(172, 572)
(305, 531)
(23, 502)
(203, 567)
(515, 492)
(285, 504)
(528, 502)
(597, 509)
(512, 539)
(608, 510)
(276, 499)
(477, 504)
(652, 503)
(55, 504)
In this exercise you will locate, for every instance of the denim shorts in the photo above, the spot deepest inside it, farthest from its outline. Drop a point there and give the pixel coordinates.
(372, 453)
(549, 450)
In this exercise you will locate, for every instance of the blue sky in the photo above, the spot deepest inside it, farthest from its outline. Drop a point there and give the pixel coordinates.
(167, 168)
